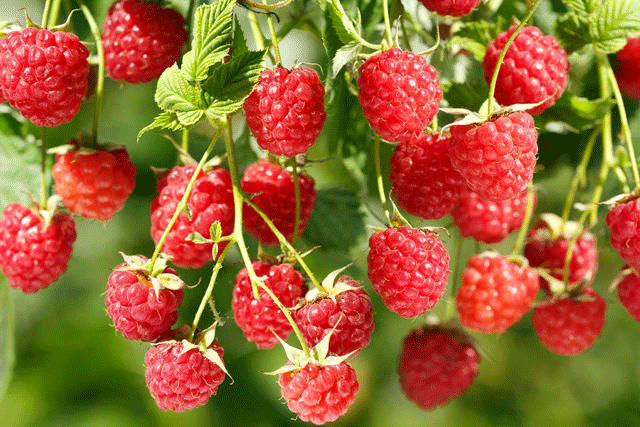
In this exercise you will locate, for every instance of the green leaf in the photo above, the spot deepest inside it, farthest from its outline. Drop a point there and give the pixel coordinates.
(475, 36)
(578, 114)
(342, 23)
(20, 174)
(176, 93)
(7, 337)
(239, 43)
(337, 219)
(189, 118)
(572, 31)
(211, 38)
(166, 120)
(231, 83)
(582, 7)
(468, 95)
(344, 55)
(613, 23)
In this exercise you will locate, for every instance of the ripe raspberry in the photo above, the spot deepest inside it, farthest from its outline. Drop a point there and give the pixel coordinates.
(496, 157)
(141, 40)
(534, 68)
(569, 327)
(210, 200)
(94, 184)
(495, 293)
(44, 74)
(261, 319)
(179, 381)
(450, 7)
(436, 365)
(623, 221)
(285, 111)
(408, 268)
(629, 294)
(399, 93)
(486, 221)
(423, 181)
(34, 252)
(351, 310)
(276, 199)
(134, 306)
(319, 393)
(627, 68)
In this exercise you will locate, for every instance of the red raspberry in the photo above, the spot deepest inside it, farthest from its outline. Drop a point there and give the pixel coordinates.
(44, 74)
(351, 310)
(534, 68)
(399, 93)
(488, 222)
(319, 393)
(496, 157)
(94, 184)
(141, 40)
(210, 200)
(423, 181)
(285, 111)
(569, 327)
(627, 68)
(495, 293)
(34, 253)
(629, 294)
(436, 365)
(181, 380)
(623, 221)
(408, 268)
(261, 319)
(135, 308)
(450, 7)
(276, 199)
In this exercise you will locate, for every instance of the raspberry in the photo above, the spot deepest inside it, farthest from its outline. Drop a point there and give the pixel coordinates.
(210, 200)
(351, 310)
(450, 7)
(276, 199)
(623, 221)
(141, 40)
(399, 93)
(627, 68)
(319, 393)
(496, 157)
(629, 294)
(408, 268)
(569, 327)
(488, 222)
(135, 308)
(495, 293)
(285, 111)
(44, 74)
(261, 319)
(534, 68)
(33, 252)
(179, 379)
(436, 365)
(94, 184)
(422, 179)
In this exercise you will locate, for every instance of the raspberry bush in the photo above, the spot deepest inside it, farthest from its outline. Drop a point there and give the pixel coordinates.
(409, 212)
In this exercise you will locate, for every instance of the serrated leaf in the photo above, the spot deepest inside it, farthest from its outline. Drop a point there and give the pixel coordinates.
(613, 23)
(572, 32)
(211, 38)
(475, 36)
(239, 43)
(20, 174)
(341, 22)
(166, 120)
(577, 113)
(344, 55)
(176, 93)
(337, 219)
(189, 118)
(582, 7)
(7, 337)
(231, 83)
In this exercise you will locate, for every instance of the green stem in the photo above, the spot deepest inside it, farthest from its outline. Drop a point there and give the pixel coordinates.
(296, 187)
(189, 20)
(383, 199)
(387, 22)
(524, 228)
(44, 193)
(266, 6)
(182, 205)
(95, 31)
(494, 77)
(274, 36)
(55, 11)
(45, 13)
(185, 140)
(451, 303)
(256, 31)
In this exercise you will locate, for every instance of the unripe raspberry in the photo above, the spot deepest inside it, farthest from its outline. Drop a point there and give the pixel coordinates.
(43, 74)
(451, 7)
(623, 221)
(399, 93)
(535, 68)
(141, 40)
(285, 111)
(408, 268)
(34, 253)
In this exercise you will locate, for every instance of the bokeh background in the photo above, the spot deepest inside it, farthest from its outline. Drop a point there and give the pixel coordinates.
(72, 369)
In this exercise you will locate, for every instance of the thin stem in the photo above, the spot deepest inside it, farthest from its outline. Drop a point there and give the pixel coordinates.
(182, 205)
(494, 78)
(456, 278)
(192, 6)
(95, 31)
(256, 31)
(274, 36)
(266, 6)
(185, 140)
(383, 199)
(524, 228)
(44, 193)
(45, 13)
(55, 11)
(387, 22)
(296, 187)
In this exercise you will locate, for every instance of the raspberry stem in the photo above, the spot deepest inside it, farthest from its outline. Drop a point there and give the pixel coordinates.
(387, 23)
(274, 36)
(383, 199)
(453, 289)
(524, 228)
(43, 169)
(296, 188)
(95, 31)
(55, 11)
(185, 140)
(45, 13)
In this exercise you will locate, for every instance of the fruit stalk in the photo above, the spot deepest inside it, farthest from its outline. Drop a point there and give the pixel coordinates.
(274, 36)
(383, 199)
(95, 31)
(524, 228)
(296, 188)
(43, 169)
